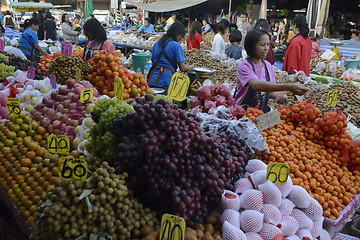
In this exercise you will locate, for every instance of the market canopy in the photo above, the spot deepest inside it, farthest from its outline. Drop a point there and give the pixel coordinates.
(30, 5)
(167, 6)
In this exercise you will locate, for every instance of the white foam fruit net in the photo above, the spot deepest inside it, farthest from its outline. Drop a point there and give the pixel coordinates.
(286, 207)
(252, 199)
(324, 235)
(304, 234)
(318, 226)
(288, 226)
(229, 232)
(251, 221)
(269, 232)
(254, 165)
(286, 188)
(272, 194)
(303, 220)
(258, 177)
(231, 216)
(294, 237)
(242, 185)
(271, 214)
(253, 236)
(314, 211)
(299, 196)
(230, 200)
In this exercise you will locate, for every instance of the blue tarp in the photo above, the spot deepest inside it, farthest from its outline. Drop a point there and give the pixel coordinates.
(11, 33)
(117, 28)
(347, 50)
(119, 45)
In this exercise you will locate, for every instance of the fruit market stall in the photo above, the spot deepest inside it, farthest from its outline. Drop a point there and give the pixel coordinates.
(88, 151)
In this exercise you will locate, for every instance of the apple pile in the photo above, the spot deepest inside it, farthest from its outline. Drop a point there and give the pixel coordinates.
(62, 112)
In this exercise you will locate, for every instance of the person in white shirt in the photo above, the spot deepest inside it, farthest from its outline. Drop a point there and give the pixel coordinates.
(218, 44)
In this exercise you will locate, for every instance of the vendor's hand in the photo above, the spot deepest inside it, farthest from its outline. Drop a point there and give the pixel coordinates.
(298, 89)
(281, 97)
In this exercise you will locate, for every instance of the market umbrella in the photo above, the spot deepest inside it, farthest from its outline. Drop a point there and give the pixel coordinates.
(263, 9)
(317, 14)
(88, 8)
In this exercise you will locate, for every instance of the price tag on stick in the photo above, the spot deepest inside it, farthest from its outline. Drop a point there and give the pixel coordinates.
(2, 44)
(119, 89)
(13, 107)
(277, 173)
(86, 95)
(328, 55)
(77, 75)
(52, 81)
(72, 169)
(332, 97)
(172, 227)
(179, 86)
(268, 120)
(66, 48)
(30, 72)
(58, 144)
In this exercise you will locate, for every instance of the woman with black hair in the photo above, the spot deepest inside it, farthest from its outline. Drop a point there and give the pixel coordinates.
(29, 42)
(263, 24)
(298, 52)
(194, 39)
(98, 41)
(218, 44)
(167, 55)
(69, 34)
(49, 27)
(206, 27)
(256, 75)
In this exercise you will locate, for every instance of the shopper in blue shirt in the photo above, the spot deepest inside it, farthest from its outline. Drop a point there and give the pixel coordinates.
(206, 27)
(145, 29)
(167, 55)
(234, 50)
(29, 42)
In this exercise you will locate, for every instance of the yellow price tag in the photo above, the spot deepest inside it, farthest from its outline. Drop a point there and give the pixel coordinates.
(13, 107)
(277, 173)
(58, 144)
(172, 227)
(86, 95)
(179, 86)
(77, 75)
(332, 97)
(268, 120)
(73, 169)
(119, 89)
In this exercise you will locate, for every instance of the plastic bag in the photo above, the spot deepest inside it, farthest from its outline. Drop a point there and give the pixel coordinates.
(16, 51)
(331, 69)
(299, 76)
(319, 68)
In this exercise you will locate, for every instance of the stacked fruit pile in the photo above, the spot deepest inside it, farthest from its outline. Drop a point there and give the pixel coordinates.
(46, 60)
(27, 169)
(259, 209)
(5, 70)
(62, 112)
(102, 206)
(105, 66)
(166, 152)
(312, 150)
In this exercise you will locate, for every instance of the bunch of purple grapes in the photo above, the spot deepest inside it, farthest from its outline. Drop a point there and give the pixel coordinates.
(173, 165)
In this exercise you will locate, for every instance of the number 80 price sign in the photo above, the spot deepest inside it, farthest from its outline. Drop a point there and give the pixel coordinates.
(72, 169)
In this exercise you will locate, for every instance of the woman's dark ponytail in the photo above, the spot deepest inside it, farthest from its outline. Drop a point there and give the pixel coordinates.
(29, 22)
(301, 23)
(175, 30)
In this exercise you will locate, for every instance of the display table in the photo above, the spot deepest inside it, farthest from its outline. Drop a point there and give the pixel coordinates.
(80, 41)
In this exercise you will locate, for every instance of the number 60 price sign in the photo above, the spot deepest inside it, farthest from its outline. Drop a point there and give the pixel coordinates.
(277, 173)
(72, 169)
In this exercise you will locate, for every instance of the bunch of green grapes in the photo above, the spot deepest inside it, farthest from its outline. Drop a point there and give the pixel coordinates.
(6, 71)
(3, 58)
(102, 142)
(165, 97)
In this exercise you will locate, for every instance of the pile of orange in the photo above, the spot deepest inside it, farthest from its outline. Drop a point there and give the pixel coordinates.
(105, 66)
(27, 169)
(46, 60)
(322, 170)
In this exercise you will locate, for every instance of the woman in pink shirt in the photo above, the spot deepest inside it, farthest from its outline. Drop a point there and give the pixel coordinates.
(255, 75)
(96, 34)
(315, 50)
